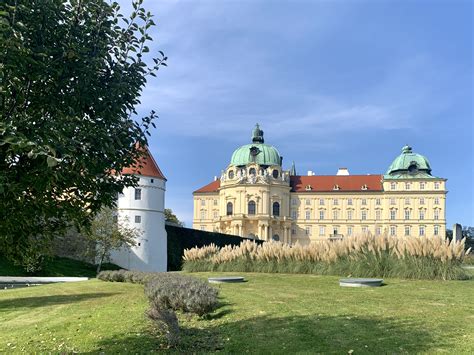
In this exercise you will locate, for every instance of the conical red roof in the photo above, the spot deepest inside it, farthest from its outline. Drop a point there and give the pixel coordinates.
(147, 167)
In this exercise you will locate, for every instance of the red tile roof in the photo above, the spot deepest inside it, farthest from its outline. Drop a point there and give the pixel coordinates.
(326, 183)
(212, 187)
(321, 183)
(147, 167)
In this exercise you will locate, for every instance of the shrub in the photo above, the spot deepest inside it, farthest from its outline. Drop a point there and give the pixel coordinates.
(181, 293)
(167, 293)
(363, 256)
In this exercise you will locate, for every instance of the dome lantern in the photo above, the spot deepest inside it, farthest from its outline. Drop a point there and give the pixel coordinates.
(257, 152)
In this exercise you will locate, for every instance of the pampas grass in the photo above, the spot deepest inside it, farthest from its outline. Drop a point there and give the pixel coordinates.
(358, 256)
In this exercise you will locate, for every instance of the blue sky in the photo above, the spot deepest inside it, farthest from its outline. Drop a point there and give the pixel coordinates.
(332, 84)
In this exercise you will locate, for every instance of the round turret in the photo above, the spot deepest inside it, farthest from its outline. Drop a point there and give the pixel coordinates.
(257, 152)
(409, 163)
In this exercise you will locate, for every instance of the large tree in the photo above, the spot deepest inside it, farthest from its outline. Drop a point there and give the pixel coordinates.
(72, 72)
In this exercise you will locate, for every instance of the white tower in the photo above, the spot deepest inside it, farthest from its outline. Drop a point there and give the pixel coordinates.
(143, 208)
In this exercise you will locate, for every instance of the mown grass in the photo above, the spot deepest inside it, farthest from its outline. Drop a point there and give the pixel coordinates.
(55, 266)
(271, 313)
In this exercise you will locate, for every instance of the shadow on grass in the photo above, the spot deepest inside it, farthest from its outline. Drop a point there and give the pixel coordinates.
(290, 334)
(42, 301)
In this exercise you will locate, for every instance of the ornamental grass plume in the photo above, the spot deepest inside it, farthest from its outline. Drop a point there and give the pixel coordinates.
(361, 255)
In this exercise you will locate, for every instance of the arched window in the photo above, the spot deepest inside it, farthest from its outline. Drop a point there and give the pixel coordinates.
(231, 174)
(276, 209)
(230, 208)
(252, 171)
(275, 174)
(251, 207)
(276, 238)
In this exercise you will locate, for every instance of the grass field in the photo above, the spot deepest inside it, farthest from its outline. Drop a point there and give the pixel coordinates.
(271, 313)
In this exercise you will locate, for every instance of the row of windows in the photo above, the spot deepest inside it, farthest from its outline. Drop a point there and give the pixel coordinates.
(252, 171)
(408, 185)
(408, 230)
(363, 214)
(363, 201)
(251, 208)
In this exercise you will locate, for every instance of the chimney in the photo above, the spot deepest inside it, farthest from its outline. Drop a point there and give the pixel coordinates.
(215, 178)
(343, 171)
(310, 172)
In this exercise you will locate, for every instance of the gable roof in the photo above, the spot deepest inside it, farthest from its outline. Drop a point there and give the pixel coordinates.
(146, 166)
(326, 183)
(212, 187)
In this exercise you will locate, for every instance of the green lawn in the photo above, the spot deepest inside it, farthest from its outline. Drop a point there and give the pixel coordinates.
(271, 313)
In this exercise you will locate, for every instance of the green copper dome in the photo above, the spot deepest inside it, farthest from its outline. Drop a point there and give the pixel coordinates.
(257, 152)
(409, 164)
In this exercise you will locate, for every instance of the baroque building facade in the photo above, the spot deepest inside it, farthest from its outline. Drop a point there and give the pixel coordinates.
(256, 198)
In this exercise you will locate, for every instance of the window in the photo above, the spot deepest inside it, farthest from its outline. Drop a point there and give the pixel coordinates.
(392, 201)
(378, 202)
(215, 214)
(436, 230)
(335, 214)
(364, 215)
(349, 202)
(422, 185)
(364, 187)
(436, 201)
(307, 230)
(336, 187)
(215, 202)
(276, 209)
(407, 214)
(393, 186)
(407, 186)
(422, 215)
(407, 231)
(349, 230)
(230, 174)
(407, 201)
(393, 214)
(252, 171)
(293, 230)
(275, 174)
(138, 219)
(203, 202)
(365, 229)
(364, 201)
(349, 214)
(378, 230)
(335, 202)
(422, 230)
(378, 214)
(322, 230)
(230, 208)
(294, 202)
(422, 201)
(321, 215)
(294, 214)
(436, 214)
(393, 231)
(308, 188)
(308, 214)
(251, 207)
(203, 228)
(321, 201)
(138, 194)
(436, 185)
(335, 230)
(152, 180)
(203, 214)
(308, 202)
(276, 238)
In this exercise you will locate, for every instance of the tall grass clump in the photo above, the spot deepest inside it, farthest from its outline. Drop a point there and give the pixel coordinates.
(358, 256)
